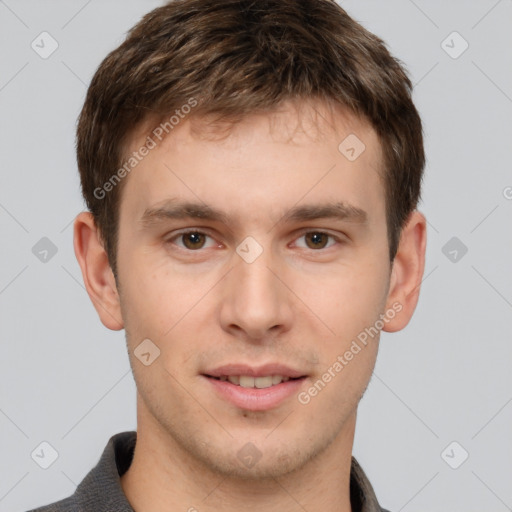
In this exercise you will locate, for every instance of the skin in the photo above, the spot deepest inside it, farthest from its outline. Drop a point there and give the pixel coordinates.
(301, 303)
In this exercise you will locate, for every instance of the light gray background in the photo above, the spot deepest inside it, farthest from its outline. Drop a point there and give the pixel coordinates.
(65, 379)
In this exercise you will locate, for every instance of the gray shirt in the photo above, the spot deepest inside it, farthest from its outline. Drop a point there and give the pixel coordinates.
(101, 491)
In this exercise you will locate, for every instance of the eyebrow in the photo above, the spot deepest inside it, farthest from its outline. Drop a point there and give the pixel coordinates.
(175, 209)
(337, 211)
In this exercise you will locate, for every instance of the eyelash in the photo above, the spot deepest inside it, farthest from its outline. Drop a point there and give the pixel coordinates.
(302, 234)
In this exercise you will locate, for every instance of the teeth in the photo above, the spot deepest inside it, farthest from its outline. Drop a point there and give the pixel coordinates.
(234, 379)
(246, 381)
(263, 382)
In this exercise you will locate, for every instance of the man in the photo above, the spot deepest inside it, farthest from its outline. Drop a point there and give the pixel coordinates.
(252, 172)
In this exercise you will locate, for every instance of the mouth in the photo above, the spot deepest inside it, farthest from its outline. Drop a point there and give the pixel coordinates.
(255, 389)
(248, 381)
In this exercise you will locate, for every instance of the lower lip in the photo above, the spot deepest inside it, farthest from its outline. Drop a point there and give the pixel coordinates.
(254, 399)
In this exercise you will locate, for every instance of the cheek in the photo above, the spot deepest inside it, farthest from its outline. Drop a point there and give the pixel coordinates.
(155, 307)
(347, 298)
(349, 302)
(166, 305)
(145, 299)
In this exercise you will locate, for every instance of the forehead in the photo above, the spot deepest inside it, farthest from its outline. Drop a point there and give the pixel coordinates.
(272, 155)
(292, 121)
(289, 119)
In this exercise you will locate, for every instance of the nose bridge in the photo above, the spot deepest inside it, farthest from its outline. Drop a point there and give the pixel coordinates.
(255, 301)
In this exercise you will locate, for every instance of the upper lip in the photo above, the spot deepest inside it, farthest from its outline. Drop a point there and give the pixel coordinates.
(253, 371)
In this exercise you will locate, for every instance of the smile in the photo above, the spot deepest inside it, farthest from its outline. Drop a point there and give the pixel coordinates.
(247, 381)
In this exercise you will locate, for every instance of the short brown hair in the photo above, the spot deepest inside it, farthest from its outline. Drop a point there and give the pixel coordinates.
(237, 57)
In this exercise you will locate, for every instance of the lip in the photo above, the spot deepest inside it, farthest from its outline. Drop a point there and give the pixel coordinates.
(260, 371)
(254, 399)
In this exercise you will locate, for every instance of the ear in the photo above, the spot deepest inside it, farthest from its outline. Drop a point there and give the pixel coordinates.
(407, 272)
(96, 271)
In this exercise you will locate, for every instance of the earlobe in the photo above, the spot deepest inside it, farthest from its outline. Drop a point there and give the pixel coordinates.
(96, 271)
(407, 272)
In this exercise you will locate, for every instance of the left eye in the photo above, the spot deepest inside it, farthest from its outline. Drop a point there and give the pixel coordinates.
(317, 240)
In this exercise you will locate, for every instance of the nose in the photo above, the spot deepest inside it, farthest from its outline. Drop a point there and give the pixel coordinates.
(256, 305)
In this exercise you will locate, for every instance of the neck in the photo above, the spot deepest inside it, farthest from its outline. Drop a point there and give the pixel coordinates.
(165, 476)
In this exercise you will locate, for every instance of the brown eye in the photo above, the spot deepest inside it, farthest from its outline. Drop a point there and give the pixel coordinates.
(316, 239)
(193, 240)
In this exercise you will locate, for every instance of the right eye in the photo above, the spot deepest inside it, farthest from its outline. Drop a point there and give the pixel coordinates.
(191, 240)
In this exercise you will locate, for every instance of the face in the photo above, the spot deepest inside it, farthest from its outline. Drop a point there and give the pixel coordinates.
(263, 253)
